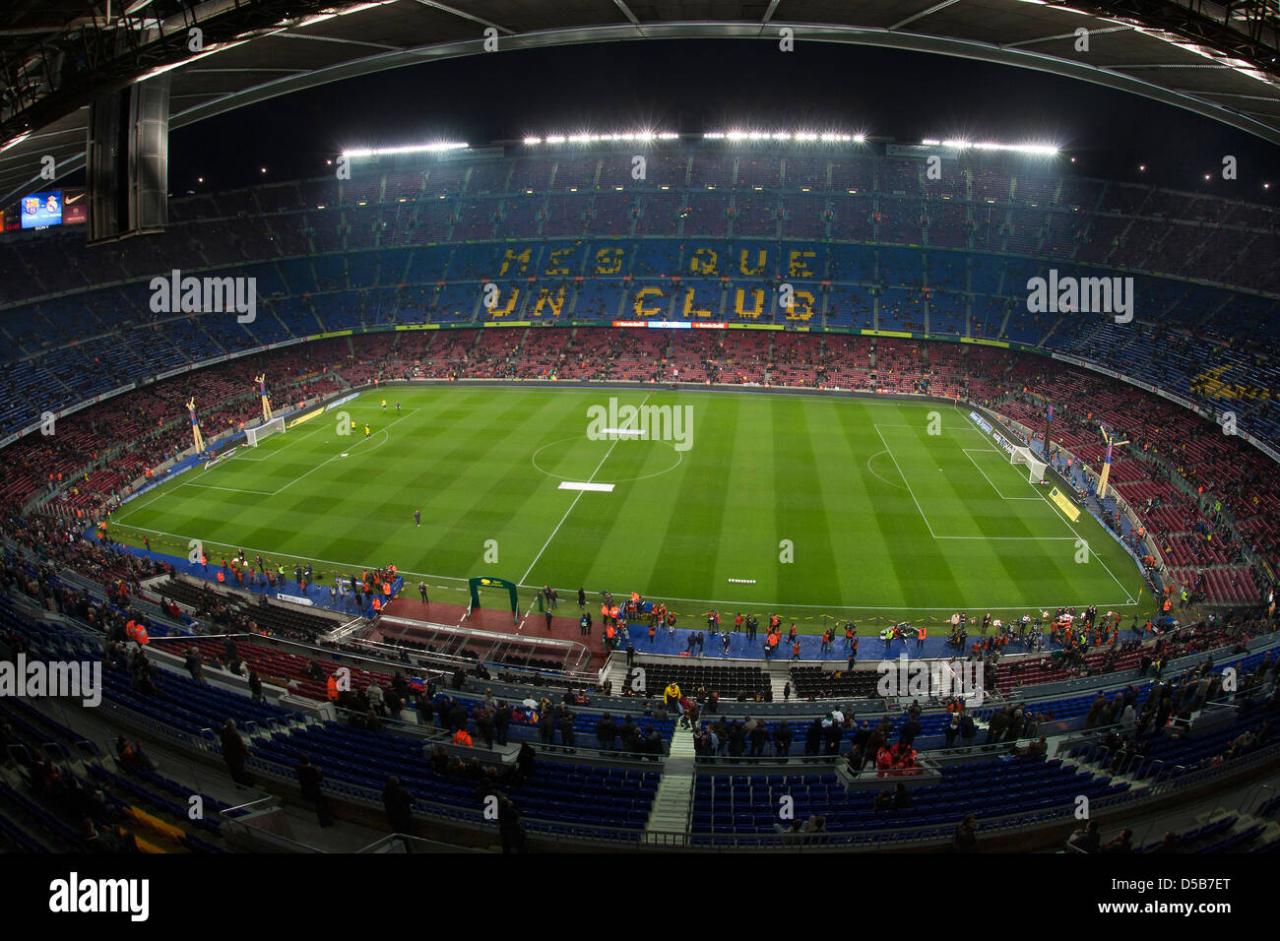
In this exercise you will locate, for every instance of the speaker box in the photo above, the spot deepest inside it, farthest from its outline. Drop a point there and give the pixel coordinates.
(127, 171)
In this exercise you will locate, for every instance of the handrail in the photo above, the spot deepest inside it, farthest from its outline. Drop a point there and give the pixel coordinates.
(385, 845)
(790, 762)
(235, 812)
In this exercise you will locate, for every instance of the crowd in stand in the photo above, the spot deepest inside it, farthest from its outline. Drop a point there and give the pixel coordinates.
(1130, 724)
(94, 456)
(101, 825)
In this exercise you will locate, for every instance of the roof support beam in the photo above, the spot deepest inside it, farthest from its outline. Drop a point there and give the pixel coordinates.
(285, 34)
(923, 13)
(443, 8)
(1059, 36)
(626, 11)
(1204, 102)
(853, 35)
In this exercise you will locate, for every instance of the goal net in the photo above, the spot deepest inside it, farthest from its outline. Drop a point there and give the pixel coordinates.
(219, 458)
(254, 435)
(1035, 466)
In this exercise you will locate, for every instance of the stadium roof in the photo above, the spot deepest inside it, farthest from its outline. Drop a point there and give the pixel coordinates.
(1216, 59)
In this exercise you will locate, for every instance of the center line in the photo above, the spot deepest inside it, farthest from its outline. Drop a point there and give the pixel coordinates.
(525, 576)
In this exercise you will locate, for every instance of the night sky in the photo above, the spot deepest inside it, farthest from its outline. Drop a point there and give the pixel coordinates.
(701, 85)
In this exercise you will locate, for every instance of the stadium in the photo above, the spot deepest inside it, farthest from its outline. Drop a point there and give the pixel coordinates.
(688, 486)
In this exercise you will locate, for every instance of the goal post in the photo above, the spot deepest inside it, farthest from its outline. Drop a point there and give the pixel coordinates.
(265, 430)
(1035, 466)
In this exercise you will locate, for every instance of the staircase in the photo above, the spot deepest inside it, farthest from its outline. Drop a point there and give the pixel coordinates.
(670, 814)
(780, 675)
(616, 672)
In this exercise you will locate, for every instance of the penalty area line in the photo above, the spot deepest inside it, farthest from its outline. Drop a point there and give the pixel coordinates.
(1092, 555)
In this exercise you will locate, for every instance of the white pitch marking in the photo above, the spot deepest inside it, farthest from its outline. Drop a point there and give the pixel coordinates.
(919, 508)
(876, 473)
(575, 501)
(1016, 538)
(264, 493)
(988, 478)
(1106, 568)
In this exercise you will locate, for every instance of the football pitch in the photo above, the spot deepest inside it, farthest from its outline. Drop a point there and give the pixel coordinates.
(810, 506)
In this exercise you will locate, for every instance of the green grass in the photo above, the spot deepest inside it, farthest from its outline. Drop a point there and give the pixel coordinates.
(887, 521)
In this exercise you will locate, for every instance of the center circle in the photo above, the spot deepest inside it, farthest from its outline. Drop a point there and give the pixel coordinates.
(613, 480)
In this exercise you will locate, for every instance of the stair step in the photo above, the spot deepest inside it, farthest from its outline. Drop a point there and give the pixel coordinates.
(674, 800)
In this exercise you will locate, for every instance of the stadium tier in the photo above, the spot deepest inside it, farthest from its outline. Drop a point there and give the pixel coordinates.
(865, 243)
(594, 779)
(154, 453)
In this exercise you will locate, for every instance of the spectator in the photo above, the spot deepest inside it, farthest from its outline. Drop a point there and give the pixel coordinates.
(235, 753)
(782, 739)
(510, 827)
(606, 731)
(1120, 844)
(901, 797)
(398, 806)
(1086, 839)
(310, 779)
(194, 665)
(965, 839)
